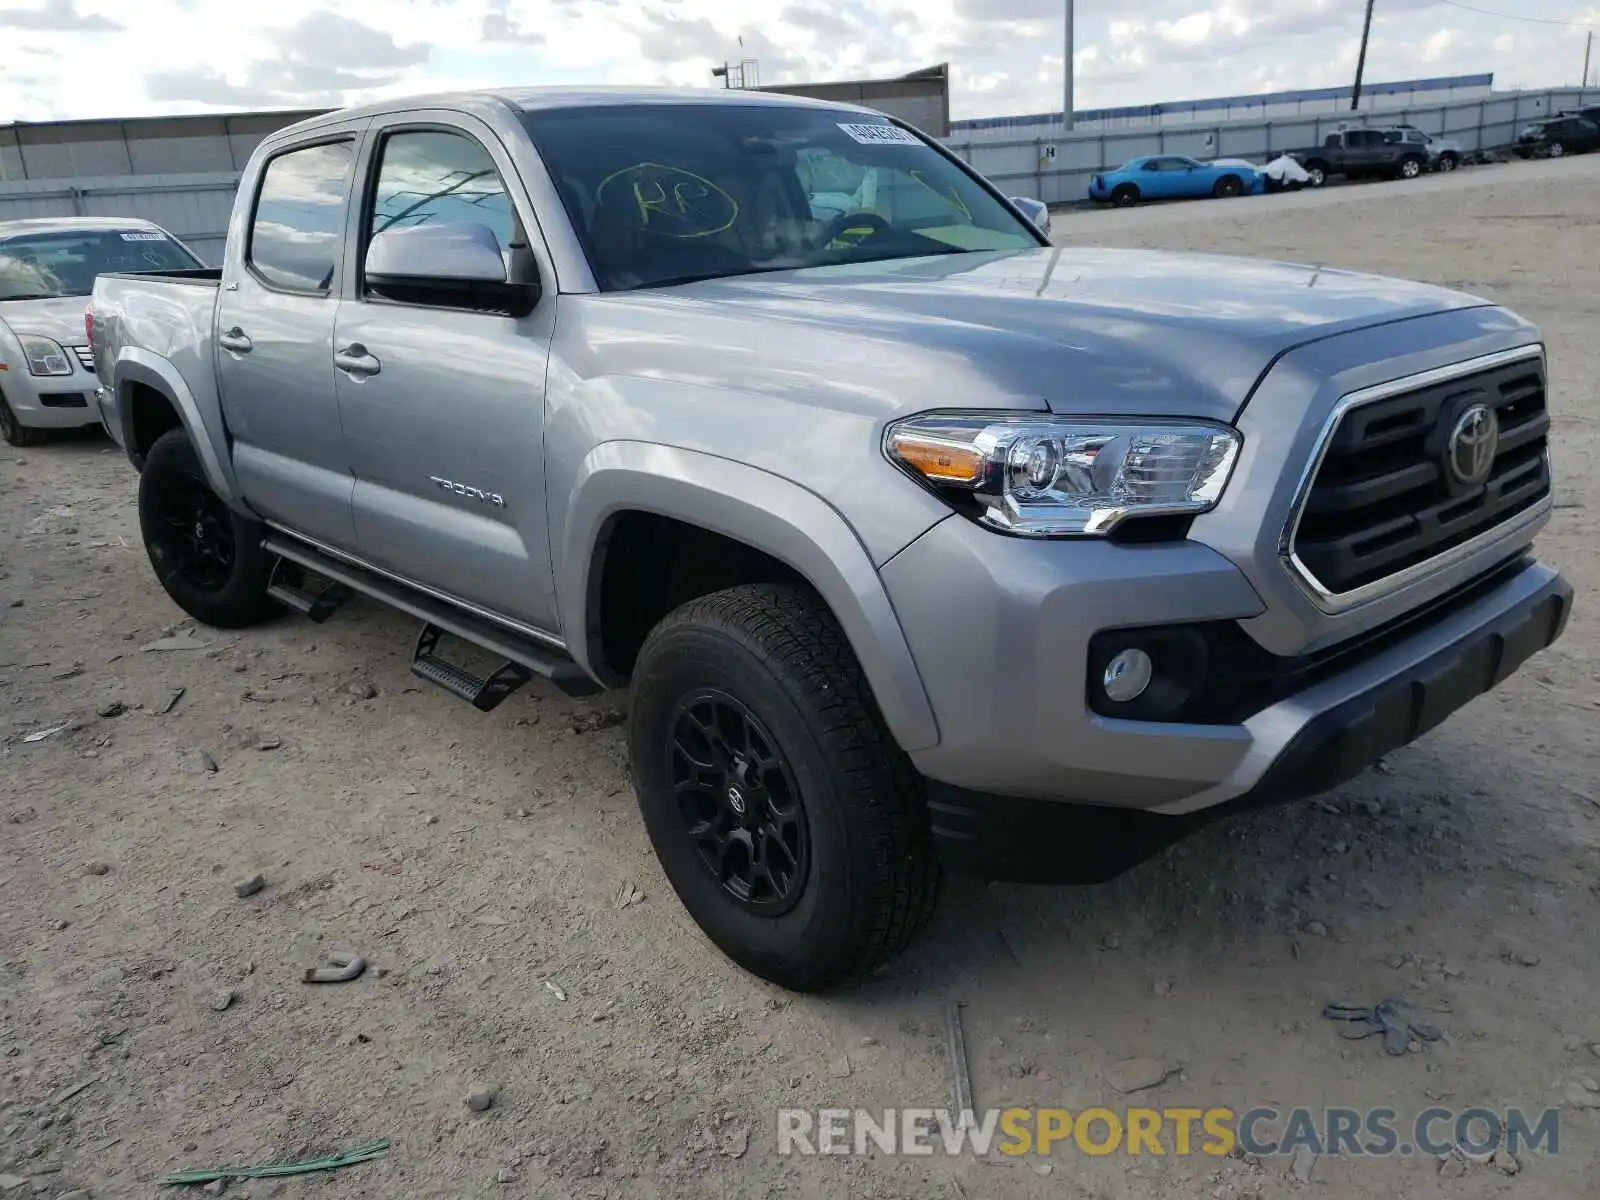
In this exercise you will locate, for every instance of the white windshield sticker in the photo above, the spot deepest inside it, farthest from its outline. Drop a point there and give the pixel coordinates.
(144, 237)
(880, 135)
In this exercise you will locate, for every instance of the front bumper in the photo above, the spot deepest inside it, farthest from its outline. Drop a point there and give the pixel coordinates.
(51, 401)
(1001, 631)
(1337, 731)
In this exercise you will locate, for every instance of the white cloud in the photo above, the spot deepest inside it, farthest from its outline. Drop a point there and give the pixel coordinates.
(87, 58)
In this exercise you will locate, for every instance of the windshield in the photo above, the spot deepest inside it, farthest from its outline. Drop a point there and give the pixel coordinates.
(44, 265)
(667, 193)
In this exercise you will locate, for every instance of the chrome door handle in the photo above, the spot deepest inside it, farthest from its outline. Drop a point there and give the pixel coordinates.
(355, 360)
(236, 340)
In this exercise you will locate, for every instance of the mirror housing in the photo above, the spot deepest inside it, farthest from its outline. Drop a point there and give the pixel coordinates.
(450, 265)
(1035, 210)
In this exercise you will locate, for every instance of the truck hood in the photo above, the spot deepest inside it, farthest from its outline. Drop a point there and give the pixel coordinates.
(60, 317)
(1134, 332)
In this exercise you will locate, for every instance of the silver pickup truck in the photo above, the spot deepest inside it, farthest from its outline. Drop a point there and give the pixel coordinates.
(920, 541)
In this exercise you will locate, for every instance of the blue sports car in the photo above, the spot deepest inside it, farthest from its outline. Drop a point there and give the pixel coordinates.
(1173, 177)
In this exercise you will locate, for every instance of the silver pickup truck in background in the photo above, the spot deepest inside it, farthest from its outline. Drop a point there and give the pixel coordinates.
(919, 541)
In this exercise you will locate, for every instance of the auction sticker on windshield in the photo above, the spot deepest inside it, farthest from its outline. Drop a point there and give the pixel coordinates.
(880, 135)
(143, 237)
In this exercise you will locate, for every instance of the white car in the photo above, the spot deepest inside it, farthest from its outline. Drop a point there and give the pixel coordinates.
(47, 272)
(1282, 173)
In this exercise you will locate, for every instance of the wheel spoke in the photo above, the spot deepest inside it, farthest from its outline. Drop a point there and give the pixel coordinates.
(738, 801)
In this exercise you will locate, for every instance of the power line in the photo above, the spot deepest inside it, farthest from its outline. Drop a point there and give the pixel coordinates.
(1505, 16)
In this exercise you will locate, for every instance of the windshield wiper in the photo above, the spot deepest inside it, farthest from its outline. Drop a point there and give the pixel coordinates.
(31, 296)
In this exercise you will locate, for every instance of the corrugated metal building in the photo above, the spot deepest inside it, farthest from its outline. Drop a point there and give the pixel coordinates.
(180, 172)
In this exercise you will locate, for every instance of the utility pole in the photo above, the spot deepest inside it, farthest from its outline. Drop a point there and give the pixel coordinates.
(1588, 46)
(1066, 66)
(1361, 61)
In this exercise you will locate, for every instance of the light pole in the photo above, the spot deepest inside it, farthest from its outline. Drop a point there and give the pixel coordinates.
(1361, 60)
(1066, 67)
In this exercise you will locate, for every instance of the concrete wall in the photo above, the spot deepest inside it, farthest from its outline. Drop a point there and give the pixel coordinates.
(1055, 167)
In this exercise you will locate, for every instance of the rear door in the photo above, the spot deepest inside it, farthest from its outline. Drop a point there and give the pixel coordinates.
(444, 407)
(275, 319)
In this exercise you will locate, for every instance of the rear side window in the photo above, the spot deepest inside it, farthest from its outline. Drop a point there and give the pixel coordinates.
(298, 224)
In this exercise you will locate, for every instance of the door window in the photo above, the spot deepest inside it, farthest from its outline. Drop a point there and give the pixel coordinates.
(433, 177)
(298, 224)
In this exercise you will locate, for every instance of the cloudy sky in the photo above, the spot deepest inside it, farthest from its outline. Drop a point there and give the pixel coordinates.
(113, 58)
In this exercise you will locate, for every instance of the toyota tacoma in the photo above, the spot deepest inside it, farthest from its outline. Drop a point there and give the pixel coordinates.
(920, 542)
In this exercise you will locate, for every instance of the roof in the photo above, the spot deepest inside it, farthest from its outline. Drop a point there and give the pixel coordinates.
(533, 99)
(529, 99)
(72, 224)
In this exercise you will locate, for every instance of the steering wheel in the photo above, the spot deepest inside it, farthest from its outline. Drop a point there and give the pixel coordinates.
(872, 222)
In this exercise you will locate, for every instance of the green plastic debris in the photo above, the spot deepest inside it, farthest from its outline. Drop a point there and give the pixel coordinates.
(365, 1152)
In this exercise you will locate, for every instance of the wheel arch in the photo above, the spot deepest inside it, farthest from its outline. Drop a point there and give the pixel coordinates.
(144, 382)
(756, 513)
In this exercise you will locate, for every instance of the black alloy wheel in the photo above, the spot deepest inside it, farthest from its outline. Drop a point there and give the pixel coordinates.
(739, 802)
(199, 535)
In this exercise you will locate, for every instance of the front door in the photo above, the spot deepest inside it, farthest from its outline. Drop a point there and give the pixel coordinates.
(443, 407)
(275, 319)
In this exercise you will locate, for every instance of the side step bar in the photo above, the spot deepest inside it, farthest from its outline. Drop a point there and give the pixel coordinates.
(518, 651)
(483, 694)
(288, 587)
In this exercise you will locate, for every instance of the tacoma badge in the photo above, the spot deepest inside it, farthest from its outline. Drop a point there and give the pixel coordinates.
(471, 493)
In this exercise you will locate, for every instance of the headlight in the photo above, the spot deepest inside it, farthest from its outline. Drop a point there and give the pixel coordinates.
(45, 355)
(1043, 476)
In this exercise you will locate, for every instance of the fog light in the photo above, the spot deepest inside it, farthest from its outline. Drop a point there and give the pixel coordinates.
(1127, 675)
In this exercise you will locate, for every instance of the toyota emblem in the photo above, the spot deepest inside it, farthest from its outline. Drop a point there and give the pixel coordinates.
(1470, 452)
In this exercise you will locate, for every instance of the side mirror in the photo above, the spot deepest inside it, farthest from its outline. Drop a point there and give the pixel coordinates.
(1035, 210)
(450, 265)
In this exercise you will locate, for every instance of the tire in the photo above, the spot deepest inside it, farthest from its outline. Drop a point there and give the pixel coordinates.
(861, 874)
(1318, 172)
(1410, 168)
(219, 574)
(1449, 162)
(1125, 195)
(1228, 187)
(1557, 150)
(15, 432)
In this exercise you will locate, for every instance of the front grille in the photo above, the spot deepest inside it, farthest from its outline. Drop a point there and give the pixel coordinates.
(1383, 499)
(85, 357)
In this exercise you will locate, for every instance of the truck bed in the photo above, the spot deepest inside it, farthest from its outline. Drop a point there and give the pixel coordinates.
(159, 324)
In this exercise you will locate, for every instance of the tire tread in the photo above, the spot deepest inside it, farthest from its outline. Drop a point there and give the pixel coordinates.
(794, 631)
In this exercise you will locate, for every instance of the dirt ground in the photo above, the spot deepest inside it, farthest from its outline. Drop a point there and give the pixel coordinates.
(484, 866)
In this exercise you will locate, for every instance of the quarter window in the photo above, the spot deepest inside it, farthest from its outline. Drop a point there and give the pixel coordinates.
(299, 218)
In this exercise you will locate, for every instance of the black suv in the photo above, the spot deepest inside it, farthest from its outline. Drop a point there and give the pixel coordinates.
(1570, 134)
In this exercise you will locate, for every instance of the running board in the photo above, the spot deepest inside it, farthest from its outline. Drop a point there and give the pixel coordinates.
(483, 694)
(545, 661)
(288, 586)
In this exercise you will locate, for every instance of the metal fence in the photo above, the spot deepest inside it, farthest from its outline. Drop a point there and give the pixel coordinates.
(1055, 167)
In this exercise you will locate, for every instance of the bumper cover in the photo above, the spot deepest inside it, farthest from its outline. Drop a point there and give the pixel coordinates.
(1038, 841)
